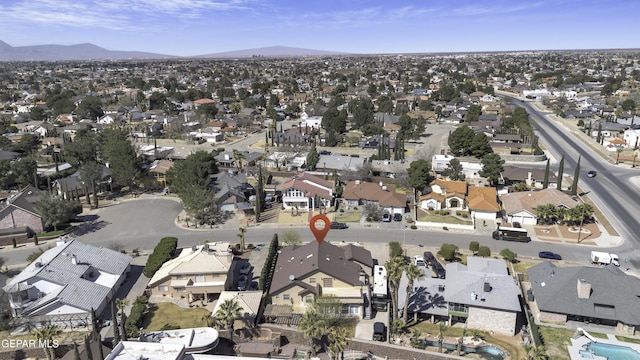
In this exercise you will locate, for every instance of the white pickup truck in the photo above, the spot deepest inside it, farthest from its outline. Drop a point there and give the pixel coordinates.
(603, 258)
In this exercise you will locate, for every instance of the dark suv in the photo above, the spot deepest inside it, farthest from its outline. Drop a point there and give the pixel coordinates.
(379, 331)
(429, 258)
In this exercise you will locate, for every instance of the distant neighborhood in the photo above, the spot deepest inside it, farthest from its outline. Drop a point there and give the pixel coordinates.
(413, 142)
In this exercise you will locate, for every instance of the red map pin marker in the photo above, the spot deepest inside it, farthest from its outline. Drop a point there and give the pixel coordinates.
(319, 233)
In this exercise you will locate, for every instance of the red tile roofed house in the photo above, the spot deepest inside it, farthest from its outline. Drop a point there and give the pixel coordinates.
(306, 191)
(483, 202)
(203, 101)
(445, 195)
(358, 193)
(304, 272)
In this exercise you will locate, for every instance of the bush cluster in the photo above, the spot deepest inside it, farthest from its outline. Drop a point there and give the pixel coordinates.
(395, 249)
(162, 252)
(134, 321)
(269, 265)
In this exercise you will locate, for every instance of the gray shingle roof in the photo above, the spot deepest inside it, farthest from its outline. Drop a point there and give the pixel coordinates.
(76, 287)
(555, 290)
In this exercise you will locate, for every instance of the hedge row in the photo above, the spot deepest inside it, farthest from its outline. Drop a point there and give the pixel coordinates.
(134, 321)
(162, 252)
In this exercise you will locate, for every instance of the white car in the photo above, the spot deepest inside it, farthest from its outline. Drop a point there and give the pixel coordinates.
(419, 261)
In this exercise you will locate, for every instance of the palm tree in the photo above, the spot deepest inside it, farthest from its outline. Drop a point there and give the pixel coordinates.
(395, 267)
(47, 334)
(338, 340)
(241, 233)
(546, 212)
(441, 330)
(461, 340)
(312, 325)
(413, 272)
(227, 313)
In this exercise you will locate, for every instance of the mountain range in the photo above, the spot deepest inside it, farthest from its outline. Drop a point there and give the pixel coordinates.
(90, 51)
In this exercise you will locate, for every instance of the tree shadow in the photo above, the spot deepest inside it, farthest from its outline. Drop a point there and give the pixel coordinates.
(89, 227)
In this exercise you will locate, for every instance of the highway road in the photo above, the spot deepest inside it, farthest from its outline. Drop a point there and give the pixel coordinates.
(612, 189)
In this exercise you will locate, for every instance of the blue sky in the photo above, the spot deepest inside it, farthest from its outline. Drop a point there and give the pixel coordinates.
(196, 27)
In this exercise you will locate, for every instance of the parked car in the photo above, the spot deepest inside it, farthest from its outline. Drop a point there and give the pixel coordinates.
(242, 282)
(338, 225)
(549, 255)
(429, 258)
(245, 269)
(516, 224)
(397, 217)
(439, 270)
(419, 261)
(386, 217)
(592, 174)
(379, 331)
(324, 152)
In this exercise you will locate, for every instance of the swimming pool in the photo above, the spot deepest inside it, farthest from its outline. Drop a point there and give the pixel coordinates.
(613, 352)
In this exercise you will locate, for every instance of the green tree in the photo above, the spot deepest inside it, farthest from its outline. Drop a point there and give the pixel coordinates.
(362, 110)
(312, 326)
(37, 113)
(547, 213)
(448, 251)
(395, 267)
(521, 186)
(291, 237)
(312, 157)
(83, 148)
(260, 195)
(54, 210)
(545, 182)
(413, 273)
(338, 340)
(460, 140)
(90, 108)
(628, 105)
(411, 128)
(419, 173)
(91, 174)
(484, 251)
(207, 111)
(241, 234)
(47, 334)
(227, 313)
(120, 153)
(479, 146)
(454, 170)
(190, 177)
(6, 177)
(508, 255)
(560, 173)
(576, 176)
(492, 168)
(25, 172)
(28, 144)
(474, 246)
(473, 114)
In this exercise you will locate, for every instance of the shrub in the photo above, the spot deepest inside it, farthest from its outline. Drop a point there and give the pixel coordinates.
(341, 210)
(413, 227)
(161, 253)
(474, 246)
(395, 249)
(448, 251)
(355, 208)
(508, 255)
(484, 251)
(134, 321)
(251, 246)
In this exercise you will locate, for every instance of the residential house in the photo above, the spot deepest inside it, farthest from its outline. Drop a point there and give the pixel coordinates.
(338, 162)
(20, 211)
(198, 273)
(481, 294)
(64, 284)
(158, 171)
(74, 184)
(358, 192)
(481, 201)
(597, 295)
(471, 167)
(232, 191)
(521, 206)
(533, 177)
(305, 191)
(303, 273)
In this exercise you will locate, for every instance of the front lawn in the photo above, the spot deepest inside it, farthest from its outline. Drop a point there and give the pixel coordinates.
(444, 219)
(556, 341)
(166, 313)
(348, 216)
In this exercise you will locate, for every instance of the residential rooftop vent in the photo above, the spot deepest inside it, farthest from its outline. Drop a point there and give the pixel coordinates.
(487, 287)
